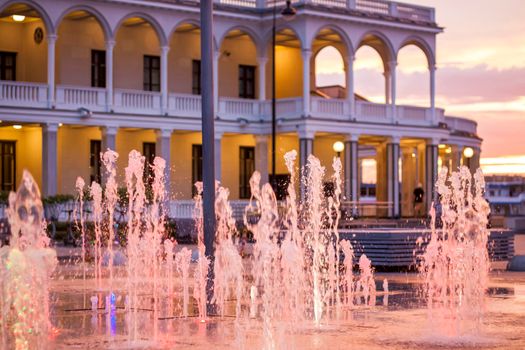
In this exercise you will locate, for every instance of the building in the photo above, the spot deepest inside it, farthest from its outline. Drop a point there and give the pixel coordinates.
(81, 76)
(506, 194)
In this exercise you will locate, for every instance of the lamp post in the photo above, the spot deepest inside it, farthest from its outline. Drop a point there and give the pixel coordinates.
(468, 153)
(288, 13)
(338, 147)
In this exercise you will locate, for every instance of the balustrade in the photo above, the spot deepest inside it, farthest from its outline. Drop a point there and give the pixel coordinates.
(22, 93)
(81, 97)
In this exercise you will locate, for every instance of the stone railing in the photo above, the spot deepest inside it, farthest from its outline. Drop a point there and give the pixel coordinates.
(136, 101)
(461, 124)
(24, 94)
(92, 98)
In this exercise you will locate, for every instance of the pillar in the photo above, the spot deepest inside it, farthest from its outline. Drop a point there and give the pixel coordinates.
(350, 93)
(164, 78)
(392, 173)
(51, 41)
(457, 157)
(110, 45)
(261, 63)
(163, 150)
(432, 70)
(386, 74)
(217, 154)
(109, 135)
(216, 56)
(351, 171)
(431, 169)
(49, 159)
(392, 65)
(306, 53)
(410, 179)
(261, 156)
(475, 160)
(306, 147)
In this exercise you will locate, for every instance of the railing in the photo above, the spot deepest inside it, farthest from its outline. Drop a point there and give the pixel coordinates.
(373, 6)
(461, 124)
(414, 115)
(23, 94)
(329, 108)
(81, 96)
(234, 108)
(290, 107)
(331, 3)
(372, 112)
(185, 105)
(137, 101)
(240, 3)
(183, 209)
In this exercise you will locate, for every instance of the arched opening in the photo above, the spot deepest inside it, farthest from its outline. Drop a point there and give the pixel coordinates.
(23, 53)
(238, 73)
(328, 64)
(184, 60)
(137, 50)
(413, 86)
(288, 65)
(369, 76)
(80, 51)
(330, 73)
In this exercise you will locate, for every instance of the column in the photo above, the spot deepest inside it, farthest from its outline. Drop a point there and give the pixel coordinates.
(261, 156)
(49, 159)
(164, 78)
(392, 69)
(431, 164)
(216, 56)
(306, 53)
(410, 180)
(351, 171)
(217, 153)
(163, 150)
(51, 41)
(110, 45)
(432, 70)
(474, 161)
(350, 93)
(386, 74)
(109, 136)
(261, 63)
(392, 172)
(457, 157)
(306, 147)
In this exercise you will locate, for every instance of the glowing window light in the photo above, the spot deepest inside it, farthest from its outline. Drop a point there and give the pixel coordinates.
(18, 18)
(17, 127)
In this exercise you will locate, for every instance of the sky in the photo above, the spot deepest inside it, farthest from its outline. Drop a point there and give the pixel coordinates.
(481, 74)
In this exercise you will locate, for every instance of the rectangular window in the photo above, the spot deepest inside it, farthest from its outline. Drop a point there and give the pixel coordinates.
(246, 81)
(8, 164)
(196, 77)
(151, 73)
(7, 65)
(196, 166)
(95, 164)
(246, 169)
(98, 68)
(148, 151)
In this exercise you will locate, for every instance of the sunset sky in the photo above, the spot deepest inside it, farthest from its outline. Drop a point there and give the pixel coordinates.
(481, 74)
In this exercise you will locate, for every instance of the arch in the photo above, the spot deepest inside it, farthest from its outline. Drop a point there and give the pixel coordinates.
(422, 45)
(152, 21)
(345, 39)
(343, 64)
(384, 46)
(248, 31)
(267, 38)
(94, 12)
(50, 29)
(192, 21)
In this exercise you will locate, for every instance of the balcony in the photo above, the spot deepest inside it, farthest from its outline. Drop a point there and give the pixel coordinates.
(35, 95)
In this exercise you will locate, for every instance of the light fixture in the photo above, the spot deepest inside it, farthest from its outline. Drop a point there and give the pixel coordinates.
(441, 146)
(60, 124)
(468, 152)
(17, 126)
(288, 12)
(413, 155)
(18, 18)
(448, 150)
(338, 146)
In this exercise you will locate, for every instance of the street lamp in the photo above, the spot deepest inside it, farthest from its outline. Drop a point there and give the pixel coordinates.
(288, 13)
(468, 153)
(338, 147)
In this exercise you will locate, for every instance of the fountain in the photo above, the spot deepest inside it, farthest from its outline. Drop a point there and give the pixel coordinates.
(294, 286)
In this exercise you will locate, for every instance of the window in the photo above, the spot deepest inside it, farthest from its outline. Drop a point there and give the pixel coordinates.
(246, 81)
(196, 166)
(196, 77)
(148, 151)
(151, 73)
(8, 164)
(246, 169)
(95, 148)
(98, 68)
(7, 65)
